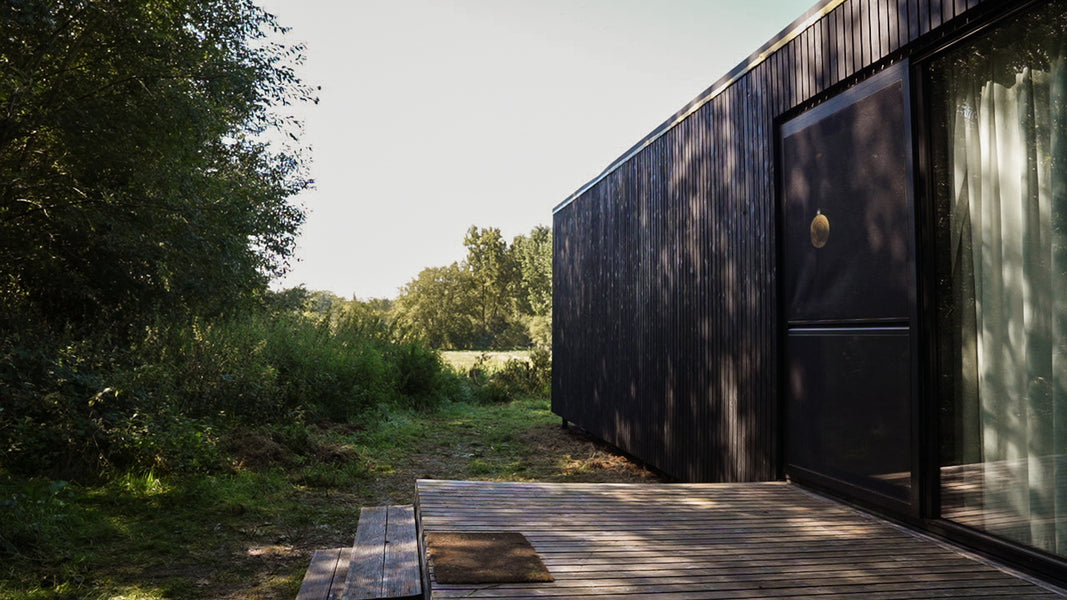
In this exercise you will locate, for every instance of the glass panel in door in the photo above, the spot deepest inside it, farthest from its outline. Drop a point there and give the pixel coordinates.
(847, 293)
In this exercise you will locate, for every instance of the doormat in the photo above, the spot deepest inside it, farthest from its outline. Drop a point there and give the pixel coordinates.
(484, 557)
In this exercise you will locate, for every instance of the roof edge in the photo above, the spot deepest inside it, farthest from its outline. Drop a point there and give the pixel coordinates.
(764, 52)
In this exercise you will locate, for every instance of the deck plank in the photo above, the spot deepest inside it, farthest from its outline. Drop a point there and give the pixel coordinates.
(706, 541)
(368, 555)
(325, 574)
(402, 571)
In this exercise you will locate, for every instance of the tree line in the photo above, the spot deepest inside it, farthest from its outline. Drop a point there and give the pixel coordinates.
(498, 297)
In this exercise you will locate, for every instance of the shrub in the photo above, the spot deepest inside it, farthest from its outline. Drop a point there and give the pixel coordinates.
(54, 419)
(330, 374)
(528, 376)
(205, 370)
(165, 442)
(421, 376)
(33, 523)
(493, 392)
(541, 361)
(516, 377)
(164, 401)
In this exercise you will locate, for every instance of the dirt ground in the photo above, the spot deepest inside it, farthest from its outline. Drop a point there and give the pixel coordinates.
(547, 452)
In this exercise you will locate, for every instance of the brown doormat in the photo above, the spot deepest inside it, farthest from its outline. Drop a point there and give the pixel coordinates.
(484, 557)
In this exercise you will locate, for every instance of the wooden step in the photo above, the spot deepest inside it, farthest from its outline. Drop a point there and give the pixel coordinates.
(327, 573)
(382, 564)
(385, 558)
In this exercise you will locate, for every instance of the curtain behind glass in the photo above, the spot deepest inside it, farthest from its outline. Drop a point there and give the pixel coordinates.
(1006, 162)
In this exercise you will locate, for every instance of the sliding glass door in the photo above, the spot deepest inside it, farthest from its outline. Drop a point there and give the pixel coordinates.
(999, 149)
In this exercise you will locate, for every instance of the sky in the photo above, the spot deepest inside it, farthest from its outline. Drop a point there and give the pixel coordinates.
(435, 115)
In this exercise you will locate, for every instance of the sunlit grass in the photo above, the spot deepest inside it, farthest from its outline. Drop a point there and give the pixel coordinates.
(464, 360)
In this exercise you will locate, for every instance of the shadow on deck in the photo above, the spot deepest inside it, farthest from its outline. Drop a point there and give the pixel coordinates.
(706, 541)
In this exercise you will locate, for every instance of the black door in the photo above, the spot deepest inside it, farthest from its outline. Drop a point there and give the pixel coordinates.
(847, 292)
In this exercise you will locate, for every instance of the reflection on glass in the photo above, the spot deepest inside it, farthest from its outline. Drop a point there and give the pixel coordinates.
(1000, 153)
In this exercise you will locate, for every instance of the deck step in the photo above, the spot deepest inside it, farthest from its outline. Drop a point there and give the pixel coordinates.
(382, 564)
(327, 572)
(385, 558)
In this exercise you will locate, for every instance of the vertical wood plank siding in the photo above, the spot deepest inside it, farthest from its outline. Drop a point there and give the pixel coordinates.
(665, 318)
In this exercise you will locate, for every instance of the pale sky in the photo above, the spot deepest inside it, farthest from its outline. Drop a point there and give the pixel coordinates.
(436, 115)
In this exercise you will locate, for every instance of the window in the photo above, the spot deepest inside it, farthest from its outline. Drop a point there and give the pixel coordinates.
(1000, 168)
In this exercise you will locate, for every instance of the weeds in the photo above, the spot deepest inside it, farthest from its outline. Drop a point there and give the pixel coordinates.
(34, 512)
(166, 403)
(497, 381)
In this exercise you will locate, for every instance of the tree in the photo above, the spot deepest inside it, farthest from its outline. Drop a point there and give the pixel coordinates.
(533, 255)
(493, 271)
(499, 297)
(133, 173)
(438, 308)
(322, 303)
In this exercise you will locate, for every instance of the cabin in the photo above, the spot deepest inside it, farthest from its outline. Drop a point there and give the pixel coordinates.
(844, 265)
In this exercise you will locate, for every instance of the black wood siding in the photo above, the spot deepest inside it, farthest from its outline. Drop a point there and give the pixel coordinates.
(665, 308)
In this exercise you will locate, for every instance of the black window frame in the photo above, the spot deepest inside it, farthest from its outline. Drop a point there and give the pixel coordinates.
(981, 21)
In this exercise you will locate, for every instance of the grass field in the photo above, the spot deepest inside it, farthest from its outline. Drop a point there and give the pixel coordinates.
(249, 534)
(463, 360)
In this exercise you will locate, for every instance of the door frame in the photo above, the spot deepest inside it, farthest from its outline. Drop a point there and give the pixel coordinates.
(916, 508)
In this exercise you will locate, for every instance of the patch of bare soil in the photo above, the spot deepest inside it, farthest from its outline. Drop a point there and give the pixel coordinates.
(559, 454)
(543, 452)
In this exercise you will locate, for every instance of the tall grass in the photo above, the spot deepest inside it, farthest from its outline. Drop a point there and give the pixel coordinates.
(78, 409)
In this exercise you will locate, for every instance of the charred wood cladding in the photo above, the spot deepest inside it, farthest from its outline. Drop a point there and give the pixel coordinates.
(844, 264)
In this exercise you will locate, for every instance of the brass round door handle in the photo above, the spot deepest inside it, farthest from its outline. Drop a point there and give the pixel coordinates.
(820, 229)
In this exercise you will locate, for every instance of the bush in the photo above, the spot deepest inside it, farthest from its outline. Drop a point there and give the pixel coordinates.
(329, 374)
(421, 376)
(515, 377)
(34, 512)
(206, 370)
(75, 409)
(54, 418)
(493, 392)
(166, 442)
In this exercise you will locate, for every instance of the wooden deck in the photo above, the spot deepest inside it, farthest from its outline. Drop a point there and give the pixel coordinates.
(707, 541)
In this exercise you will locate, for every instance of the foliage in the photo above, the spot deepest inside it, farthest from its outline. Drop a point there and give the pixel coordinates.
(81, 409)
(533, 255)
(134, 177)
(492, 271)
(539, 328)
(421, 374)
(514, 378)
(57, 405)
(142, 358)
(499, 297)
(436, 308)
(33, 513)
